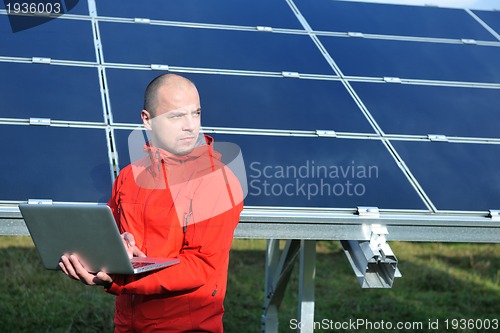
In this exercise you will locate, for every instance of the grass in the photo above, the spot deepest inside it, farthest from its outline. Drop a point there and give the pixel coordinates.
(440, 281)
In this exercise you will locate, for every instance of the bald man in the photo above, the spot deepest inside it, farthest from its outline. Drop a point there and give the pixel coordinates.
(179, 201)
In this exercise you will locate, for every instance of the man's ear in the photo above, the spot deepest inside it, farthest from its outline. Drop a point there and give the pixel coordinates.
(146, 119)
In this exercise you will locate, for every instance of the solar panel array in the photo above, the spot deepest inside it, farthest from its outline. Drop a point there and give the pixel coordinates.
(334, 104)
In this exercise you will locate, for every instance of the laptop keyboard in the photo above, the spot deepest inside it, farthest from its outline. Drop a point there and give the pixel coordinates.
(139, 264)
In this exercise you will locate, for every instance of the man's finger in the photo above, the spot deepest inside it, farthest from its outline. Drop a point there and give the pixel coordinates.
(72, 267)
(138, 253)
(63, 267)
(129, 238)
(82, 273)
(103, 277)
(69, 269)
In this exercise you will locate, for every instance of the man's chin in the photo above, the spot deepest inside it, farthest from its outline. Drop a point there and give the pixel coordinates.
(184, 151)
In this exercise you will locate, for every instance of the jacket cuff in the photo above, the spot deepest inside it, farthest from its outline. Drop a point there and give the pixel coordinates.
(113, 289)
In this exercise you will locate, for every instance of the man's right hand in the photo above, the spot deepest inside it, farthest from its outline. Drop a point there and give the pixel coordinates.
(132, 249)
(72, 267)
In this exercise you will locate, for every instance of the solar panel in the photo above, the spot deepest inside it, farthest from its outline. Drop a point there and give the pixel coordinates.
(210, 48)
(58, 163)
(280, 103)
(338, 83)
(238, 12)
(396, 20)
(424, 109)
(491, 18)
(411, 60)
(250, 101)
(62, 39)
(456, 176)
(323, 173)
(71, 93)
(312, 172)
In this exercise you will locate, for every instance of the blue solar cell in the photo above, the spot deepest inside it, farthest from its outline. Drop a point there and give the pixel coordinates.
(315, 172)
(322, 172)
(53, 92)
(59, 38)
(121, 143)
(422, 110)
(279, 103)
(418, 21)
(275, 14)
(455, 176)
(491, 18)
(251, 102)
(63, 164)
(211, 48)
(126, 93)
(414, 60)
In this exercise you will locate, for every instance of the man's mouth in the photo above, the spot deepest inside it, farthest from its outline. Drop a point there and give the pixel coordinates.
(187, 139)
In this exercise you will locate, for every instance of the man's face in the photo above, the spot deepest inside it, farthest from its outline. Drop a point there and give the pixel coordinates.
(176, 124)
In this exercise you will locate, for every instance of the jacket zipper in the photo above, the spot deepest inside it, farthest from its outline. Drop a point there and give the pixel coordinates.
(158, 157)
(187, 216)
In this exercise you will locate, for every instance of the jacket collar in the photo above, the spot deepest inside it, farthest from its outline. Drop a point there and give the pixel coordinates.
(203, 147)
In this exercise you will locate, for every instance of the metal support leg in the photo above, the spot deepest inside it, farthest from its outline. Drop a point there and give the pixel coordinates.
(270, 317)
(278, 270)
(306, 285)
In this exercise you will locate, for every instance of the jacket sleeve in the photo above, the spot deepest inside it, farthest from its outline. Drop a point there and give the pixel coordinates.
(201, 257)
(115, 192)
(204, 253)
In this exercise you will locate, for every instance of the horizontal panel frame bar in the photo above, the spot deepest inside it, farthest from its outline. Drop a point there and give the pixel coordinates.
(197, 25)
(355, 232)
(202, 70)
(56, 123)
(336, 224)
(314, 133)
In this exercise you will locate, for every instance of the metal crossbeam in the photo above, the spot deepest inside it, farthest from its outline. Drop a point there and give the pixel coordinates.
(329, 224)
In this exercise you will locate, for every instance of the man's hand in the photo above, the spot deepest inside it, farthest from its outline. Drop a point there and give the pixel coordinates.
(132, 249)
(72, 267)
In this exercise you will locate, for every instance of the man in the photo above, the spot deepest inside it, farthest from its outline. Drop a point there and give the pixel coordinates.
(178, 201)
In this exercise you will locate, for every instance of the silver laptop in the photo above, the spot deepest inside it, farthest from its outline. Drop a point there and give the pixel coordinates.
(90, 232)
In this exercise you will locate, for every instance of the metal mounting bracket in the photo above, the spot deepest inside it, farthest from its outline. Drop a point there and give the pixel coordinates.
(40, 201)
(372, 261)
(494, 214)
(368, 212)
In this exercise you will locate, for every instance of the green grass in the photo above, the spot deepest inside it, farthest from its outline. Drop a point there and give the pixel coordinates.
(440, 281)
(36, 300)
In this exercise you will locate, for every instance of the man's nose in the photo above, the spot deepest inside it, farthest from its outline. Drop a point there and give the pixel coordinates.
(189, 123)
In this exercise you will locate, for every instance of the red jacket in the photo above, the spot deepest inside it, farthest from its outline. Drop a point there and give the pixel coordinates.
(176, 206)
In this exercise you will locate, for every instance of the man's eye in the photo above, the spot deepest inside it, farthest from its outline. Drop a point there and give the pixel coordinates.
(197, 113)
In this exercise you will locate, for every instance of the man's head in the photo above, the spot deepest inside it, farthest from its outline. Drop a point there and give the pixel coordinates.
(172, 113)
